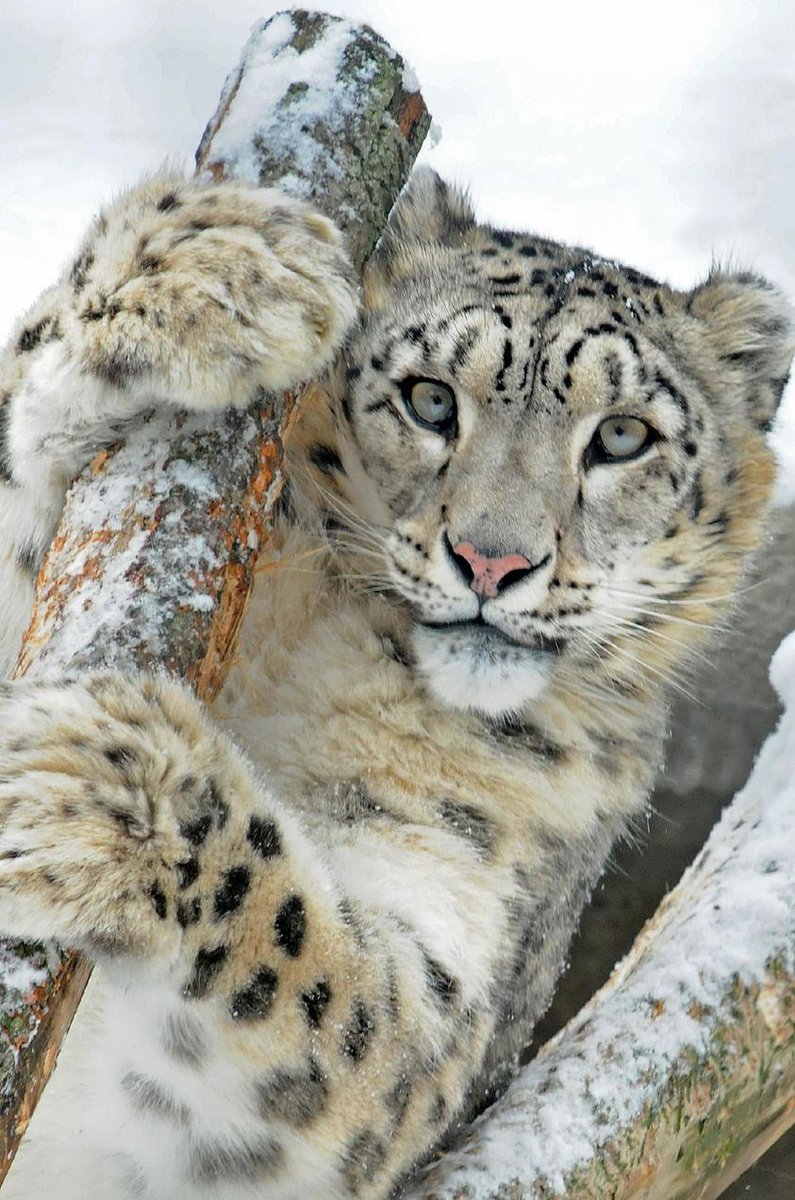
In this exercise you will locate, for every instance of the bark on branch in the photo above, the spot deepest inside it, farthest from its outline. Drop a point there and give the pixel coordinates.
(680, 1072)
(159, 541)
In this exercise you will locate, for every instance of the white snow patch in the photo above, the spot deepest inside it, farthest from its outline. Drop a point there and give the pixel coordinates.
(19, 975)
(410, 82)
(283, 94)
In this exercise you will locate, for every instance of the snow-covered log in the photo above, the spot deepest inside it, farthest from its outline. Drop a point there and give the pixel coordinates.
(680, 1072)
(160, 537)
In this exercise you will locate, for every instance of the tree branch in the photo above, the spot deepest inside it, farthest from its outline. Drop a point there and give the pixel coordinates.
(157, 549)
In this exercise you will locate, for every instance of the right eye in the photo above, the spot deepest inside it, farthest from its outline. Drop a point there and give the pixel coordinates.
(431, 404)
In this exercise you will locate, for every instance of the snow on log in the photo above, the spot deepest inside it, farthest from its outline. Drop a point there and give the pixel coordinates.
(159, 541)
(680, 1072)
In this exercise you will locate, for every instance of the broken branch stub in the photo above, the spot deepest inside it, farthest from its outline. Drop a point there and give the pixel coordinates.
(156, 552)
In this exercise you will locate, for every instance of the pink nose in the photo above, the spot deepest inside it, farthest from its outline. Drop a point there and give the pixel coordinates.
(488, 574)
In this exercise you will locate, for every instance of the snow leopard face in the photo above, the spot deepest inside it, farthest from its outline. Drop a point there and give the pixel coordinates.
(564, 459)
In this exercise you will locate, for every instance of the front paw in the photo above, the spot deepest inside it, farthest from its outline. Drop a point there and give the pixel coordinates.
(210, 293)
(90, 775)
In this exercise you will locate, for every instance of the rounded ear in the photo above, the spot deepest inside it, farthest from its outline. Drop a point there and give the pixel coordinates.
(427, 213)
(430, 210)
(749, 326)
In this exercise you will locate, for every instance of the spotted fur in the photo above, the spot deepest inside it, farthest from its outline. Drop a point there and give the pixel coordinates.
(324, 944)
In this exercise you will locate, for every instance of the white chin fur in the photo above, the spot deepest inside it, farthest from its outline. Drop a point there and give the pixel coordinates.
(467, 672)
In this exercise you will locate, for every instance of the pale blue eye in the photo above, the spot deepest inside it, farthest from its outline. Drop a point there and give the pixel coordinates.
(432, 402)
(622, 437)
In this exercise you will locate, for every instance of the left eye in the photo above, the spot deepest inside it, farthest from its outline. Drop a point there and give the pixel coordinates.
(618, 439)
(430, 403)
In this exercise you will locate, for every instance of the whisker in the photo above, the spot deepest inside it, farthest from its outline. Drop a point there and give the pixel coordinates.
(624, 623)
(704, 626)
(645, 668)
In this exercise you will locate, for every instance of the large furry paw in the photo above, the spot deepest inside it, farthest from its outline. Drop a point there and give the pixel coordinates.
(209, 293)
(99, 783)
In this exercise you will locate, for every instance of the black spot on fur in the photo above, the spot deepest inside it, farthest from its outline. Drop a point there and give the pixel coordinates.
(218, 1162)
(207, 966)
(359, 1033)
(29, 559)
(231, 893)
(79, 273)
(443, 985)
(297, 1097)
(187, 872)
(218, 806)
(469, 822)
(397, 1099)
(6, 475)
(528, 251)
(122, 757)
(29, 338)
(189, 912)
(168, 202)
(524, 734)
(147, 1096)
(158, 898)
(196, 830)
(182, 1039)
(573, 351)
(325, 459)
(263, 836)
(720, 523)
(255, 1000)
(438, 1109)
(361, 1159)
(315, 1001)
(289, 926)
(697, 501)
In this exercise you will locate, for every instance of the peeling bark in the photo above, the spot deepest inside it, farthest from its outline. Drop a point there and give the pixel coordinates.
(156, 552)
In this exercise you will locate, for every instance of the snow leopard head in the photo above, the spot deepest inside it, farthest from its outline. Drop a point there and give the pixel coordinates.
(551, 463)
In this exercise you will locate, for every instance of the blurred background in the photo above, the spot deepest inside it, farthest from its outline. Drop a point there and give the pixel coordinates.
(663, 135)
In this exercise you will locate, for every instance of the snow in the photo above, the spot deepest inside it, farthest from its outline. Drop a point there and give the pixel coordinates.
(292, 89)
(410, 81)
(656, 136)
(19, 975)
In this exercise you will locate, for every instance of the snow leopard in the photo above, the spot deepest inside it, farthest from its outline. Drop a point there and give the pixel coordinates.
(326, 916)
